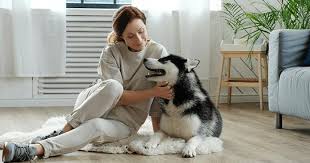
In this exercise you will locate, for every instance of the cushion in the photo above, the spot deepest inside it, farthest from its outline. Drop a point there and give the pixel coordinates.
(293, 46)
(307, 55)
(294, 92)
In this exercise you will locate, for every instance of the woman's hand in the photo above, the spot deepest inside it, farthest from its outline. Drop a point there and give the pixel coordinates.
(163, 90)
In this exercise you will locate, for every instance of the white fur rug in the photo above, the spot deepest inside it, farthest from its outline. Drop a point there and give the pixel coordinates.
(134, 144)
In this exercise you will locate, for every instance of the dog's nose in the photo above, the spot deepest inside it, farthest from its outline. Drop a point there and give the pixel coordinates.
(144, 60)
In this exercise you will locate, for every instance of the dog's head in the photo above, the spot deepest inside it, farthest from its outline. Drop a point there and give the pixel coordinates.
(168, 68)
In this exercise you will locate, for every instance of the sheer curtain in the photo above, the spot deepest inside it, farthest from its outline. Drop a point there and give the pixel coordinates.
(32, 38)
(182, 26)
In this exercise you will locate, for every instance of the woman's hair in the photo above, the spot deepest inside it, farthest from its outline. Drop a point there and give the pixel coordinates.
(121, 18)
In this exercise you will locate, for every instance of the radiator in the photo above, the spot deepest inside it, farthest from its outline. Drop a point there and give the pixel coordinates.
(86, 33)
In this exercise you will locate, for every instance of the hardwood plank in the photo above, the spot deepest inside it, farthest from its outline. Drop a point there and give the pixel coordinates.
(248, 134)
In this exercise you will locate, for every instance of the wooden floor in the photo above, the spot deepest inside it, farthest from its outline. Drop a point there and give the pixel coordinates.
(248, 134)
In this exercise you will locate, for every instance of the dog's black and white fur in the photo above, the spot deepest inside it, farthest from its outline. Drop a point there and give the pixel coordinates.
(190, 115)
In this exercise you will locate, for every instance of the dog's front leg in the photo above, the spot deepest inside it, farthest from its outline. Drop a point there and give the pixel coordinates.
(154, 140)
(189, 149)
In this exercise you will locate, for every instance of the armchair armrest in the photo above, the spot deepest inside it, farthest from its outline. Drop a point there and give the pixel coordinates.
(273, 57)
(273, 70)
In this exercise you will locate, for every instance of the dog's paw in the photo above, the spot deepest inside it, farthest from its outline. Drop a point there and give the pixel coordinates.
(150, 145)
(188, 152)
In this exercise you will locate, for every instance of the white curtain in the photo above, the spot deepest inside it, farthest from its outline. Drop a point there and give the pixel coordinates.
(182, 26)
(32, 38)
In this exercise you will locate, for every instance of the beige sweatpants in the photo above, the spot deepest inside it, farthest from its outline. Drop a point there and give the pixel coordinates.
(87, 119)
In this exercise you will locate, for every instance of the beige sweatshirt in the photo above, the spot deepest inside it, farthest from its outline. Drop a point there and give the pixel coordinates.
(119, 63)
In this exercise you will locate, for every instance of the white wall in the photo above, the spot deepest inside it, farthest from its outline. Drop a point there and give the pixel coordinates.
(19, 92)
(15, 88)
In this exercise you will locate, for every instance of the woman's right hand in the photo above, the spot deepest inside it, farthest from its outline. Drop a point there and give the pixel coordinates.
(163, 90)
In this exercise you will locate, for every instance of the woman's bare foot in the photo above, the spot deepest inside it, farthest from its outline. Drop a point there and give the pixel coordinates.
(39, 149)
(67, 127)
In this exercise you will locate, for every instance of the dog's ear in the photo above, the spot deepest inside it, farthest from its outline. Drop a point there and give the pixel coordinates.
(191, 64)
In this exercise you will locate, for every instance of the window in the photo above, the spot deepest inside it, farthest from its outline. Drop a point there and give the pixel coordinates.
(96, 3)
(215, 5)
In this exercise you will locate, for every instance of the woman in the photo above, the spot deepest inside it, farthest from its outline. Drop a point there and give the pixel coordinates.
(117, 105)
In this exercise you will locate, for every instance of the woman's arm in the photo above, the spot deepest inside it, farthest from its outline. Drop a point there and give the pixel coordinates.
(160, 90)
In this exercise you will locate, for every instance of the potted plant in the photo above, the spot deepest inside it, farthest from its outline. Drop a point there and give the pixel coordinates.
(288, 14)
(235, 18)
(266, 17)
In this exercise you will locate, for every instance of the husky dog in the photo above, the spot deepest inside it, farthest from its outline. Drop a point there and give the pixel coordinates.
(190, 114)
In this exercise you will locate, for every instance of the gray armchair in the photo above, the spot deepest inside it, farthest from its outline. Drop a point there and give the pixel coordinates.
(289, 82)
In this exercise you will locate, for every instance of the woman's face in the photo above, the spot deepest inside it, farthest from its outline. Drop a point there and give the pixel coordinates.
(135, 35)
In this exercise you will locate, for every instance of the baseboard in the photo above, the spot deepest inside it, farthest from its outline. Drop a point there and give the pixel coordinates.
(70, 102)
(36, 102)
(240, 98)
(210, 86)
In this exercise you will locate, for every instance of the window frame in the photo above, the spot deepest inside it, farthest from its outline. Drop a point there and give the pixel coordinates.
(94, 5)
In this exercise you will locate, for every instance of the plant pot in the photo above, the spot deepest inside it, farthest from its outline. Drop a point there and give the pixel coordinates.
(240, 41)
